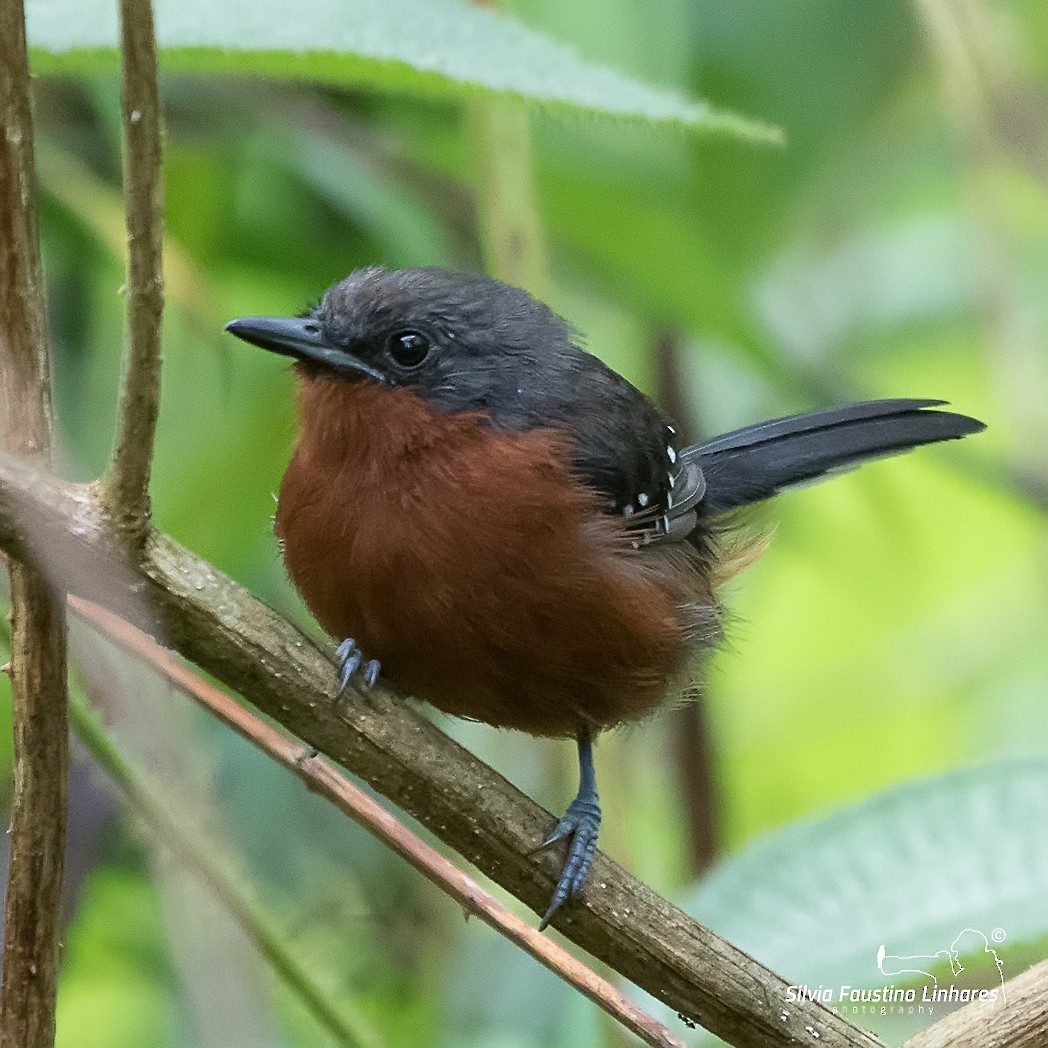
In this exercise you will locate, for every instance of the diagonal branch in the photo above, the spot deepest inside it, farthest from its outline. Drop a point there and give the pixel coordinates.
(198, 856)
(323, 778)
(127, 486)
(38, 635)
(182, 599)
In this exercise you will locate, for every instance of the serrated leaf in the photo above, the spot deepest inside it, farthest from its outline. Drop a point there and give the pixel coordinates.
(425, 47)
(909, 869)
(958, 863)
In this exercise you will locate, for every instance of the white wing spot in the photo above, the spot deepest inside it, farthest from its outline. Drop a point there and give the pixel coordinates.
(628, 511)
(671, 454)
(642, 499)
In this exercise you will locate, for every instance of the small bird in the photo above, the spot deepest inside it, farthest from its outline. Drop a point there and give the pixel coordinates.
(504, 526)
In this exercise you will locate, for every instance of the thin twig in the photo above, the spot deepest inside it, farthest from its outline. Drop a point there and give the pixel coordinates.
(128, 481)
(200, 857)
(323, 778)
(38, 635)
(174, 595)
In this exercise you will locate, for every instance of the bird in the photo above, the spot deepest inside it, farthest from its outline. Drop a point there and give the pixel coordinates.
(494, 520)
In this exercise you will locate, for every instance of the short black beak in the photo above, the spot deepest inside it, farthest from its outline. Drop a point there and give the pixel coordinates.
(301, 338)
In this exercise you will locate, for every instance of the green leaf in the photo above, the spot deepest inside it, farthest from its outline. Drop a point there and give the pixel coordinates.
(428, 47)
(910, 870)
(411, 235)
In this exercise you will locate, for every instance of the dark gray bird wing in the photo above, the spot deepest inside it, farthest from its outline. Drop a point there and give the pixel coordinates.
(756, 462)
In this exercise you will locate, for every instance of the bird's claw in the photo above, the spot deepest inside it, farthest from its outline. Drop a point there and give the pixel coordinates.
(351, 663)
(581, 823)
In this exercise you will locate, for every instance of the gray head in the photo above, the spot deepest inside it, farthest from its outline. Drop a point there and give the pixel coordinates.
(460, 341)
(465, 342)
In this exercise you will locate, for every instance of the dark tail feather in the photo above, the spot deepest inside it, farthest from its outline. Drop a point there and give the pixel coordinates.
(759, 461)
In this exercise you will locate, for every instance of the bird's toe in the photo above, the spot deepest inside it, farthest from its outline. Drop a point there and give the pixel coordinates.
(581, 823)
(352, 663)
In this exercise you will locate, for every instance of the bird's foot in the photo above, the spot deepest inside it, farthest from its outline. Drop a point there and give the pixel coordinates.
(581, 823)
(352, 663)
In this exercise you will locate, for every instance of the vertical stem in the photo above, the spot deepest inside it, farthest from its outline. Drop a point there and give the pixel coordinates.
(38, 812)
(128, 481)
(507, 208)
(38, 638)
(692, 747)
(689, 726)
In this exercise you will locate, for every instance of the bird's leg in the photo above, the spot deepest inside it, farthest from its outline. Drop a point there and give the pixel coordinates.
(581, 823)
(351, 662)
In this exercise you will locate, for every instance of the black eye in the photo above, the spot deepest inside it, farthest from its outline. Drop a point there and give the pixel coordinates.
(408, 348)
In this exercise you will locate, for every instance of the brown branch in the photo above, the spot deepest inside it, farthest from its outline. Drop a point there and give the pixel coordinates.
(323, 778)
(182, 599)
(127, 487)
(38, 636)
(1020, 1021)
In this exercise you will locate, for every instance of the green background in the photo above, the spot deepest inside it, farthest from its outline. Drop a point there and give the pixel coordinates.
(877, 719)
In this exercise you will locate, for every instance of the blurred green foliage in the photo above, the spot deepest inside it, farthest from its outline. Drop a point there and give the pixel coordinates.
(896, 626)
